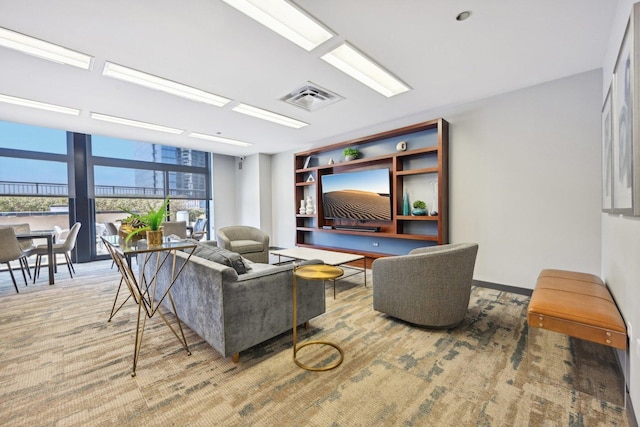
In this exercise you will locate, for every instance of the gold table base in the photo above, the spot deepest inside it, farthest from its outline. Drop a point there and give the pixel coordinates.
(313, 272)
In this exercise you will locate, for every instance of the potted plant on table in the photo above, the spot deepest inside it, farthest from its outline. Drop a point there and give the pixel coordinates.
(151, 222)
(419, 208)
(350, 153)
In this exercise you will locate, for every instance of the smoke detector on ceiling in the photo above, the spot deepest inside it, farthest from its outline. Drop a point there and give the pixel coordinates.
(311, 97)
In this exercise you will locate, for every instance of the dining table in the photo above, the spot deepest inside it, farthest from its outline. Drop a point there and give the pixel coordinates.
(50, 235)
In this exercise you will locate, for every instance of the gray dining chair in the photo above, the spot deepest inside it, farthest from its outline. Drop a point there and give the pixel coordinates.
(65, 248)
(10, 250)
(176, 228)
(26, 245)
(199, 229)
(111, 229)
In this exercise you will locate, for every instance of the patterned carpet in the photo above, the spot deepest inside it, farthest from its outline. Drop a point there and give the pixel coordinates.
(63, 364)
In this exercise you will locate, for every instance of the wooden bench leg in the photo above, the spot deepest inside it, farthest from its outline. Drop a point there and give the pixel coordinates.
(235, 357)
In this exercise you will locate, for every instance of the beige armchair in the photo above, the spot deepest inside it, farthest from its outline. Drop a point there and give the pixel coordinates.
(430, 287)
(250, 242)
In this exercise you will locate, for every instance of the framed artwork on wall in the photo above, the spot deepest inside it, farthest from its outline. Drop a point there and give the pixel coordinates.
(622, 128)
(625, 106)
(607, 159)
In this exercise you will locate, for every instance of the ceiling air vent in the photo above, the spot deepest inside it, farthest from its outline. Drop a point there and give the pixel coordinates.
(311, 97)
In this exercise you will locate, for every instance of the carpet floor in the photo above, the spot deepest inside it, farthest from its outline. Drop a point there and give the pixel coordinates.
(63, 364)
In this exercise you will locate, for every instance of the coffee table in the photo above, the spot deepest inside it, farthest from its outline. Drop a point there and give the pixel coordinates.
(328, 257)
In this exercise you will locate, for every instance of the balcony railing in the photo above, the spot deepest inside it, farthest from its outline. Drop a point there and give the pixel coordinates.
(40, 189)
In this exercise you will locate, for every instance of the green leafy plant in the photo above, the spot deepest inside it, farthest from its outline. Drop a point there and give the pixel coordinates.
(351, 152)
(152, 220)
(419, 204)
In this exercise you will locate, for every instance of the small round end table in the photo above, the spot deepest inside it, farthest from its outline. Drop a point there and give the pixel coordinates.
(313, 272)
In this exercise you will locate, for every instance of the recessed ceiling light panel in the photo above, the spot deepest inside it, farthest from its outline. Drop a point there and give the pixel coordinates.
(219, 139)
(153, 82)
(350, 61)
(135, 123)
(43, 49)
(39, 105)
(285, 19)
(269, 116)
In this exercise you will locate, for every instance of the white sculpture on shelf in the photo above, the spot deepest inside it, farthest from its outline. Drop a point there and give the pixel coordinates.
(303, 208)
(309, 208)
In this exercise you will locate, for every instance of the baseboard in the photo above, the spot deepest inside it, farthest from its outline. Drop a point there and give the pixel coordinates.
(504, 288)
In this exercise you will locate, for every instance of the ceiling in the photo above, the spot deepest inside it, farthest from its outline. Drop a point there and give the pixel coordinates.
(503, 46)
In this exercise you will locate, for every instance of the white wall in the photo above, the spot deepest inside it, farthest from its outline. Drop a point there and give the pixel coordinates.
(524, 180)
(224, 193)
(621, 235)
(242, 196)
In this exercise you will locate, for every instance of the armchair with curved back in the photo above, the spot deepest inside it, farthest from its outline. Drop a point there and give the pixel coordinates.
(430, 286)
(250, 242)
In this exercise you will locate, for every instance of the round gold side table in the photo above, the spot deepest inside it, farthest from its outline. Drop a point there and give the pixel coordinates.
(313, 272)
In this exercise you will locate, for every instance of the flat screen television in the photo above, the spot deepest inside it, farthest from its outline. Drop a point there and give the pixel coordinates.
(361, 195)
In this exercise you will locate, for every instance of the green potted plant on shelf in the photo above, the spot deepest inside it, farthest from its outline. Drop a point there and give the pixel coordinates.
(350, 153)
(151, 222)
(419, 208)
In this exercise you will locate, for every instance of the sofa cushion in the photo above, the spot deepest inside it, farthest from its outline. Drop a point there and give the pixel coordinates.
(246, 246)
(221, 256)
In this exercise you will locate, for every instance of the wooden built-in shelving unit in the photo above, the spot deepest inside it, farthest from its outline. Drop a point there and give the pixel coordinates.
(426, 164)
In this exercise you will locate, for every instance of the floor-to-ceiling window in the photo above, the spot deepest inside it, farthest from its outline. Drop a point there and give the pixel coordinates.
(39, 180)
(34, 164)
(136, 175)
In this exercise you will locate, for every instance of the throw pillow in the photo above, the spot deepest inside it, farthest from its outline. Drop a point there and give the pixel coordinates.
(221, 256)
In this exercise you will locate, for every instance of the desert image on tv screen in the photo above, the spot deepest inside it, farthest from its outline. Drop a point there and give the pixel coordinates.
(357, 195)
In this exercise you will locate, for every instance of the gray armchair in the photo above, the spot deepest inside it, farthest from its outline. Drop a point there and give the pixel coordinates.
(430, 287)
(250, 242)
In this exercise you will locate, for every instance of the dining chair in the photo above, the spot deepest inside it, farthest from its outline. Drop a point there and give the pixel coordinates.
(65, 248)
(111, 229)
(10, 250)
(26, 245)
(199, 229)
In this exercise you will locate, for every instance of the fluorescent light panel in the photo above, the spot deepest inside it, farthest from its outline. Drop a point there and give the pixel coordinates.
(135, 123)
(284, 19)
(268, 115)
(43, 49)
(219, 139)
(39, 105)
(350, 61)
(153, 82)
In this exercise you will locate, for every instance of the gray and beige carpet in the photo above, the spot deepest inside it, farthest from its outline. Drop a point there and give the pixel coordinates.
(62, 364)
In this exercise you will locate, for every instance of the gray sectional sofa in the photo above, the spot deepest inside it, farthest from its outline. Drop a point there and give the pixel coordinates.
(233, 312)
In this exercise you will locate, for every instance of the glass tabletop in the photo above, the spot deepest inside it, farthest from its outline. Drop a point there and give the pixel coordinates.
(140, 247)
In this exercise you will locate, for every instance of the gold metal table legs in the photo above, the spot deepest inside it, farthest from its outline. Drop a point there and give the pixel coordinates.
(313, 272)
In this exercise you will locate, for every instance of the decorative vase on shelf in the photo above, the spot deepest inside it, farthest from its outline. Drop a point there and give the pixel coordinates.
(303, 207)
(406, 210)
(309, 207)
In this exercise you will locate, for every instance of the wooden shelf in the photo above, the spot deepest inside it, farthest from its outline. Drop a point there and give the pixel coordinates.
(429, 160)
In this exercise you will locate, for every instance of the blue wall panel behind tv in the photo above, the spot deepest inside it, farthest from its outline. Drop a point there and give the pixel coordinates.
(365, 243)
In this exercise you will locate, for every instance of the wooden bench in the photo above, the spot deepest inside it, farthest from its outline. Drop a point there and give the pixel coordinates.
(578, 305)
